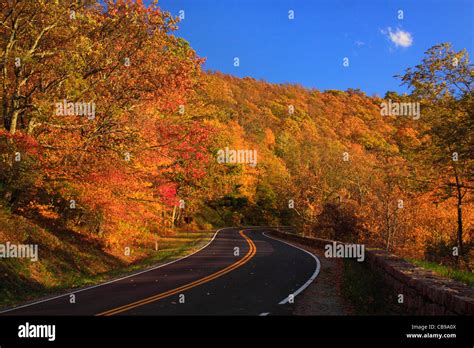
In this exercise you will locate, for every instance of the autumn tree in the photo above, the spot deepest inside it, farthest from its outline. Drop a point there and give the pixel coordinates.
(121, 57)
(443, 83)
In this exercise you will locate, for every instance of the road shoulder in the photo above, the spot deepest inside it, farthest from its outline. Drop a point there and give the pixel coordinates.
(324, 295)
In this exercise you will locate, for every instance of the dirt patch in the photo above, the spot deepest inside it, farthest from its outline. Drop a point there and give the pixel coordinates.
(324, 295)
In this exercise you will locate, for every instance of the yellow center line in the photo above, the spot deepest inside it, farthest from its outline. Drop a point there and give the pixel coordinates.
(252, 251)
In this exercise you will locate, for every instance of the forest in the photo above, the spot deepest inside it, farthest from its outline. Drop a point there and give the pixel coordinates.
(111, 129)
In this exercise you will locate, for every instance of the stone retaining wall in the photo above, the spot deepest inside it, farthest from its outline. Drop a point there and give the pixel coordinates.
(424, 292)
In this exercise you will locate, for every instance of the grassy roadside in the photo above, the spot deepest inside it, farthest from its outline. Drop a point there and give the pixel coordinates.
(72, 261)
(463, 276)
(366, 291)
(181, 248)
(370, 296)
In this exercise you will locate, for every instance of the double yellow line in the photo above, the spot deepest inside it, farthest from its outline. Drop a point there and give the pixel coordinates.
(245, 259)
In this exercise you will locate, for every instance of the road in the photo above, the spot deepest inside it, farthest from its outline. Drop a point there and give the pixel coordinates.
(240, 272)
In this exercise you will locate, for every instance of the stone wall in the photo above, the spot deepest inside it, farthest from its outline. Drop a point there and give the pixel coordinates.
(424, 292)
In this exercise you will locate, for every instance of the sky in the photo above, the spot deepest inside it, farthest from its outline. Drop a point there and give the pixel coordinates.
(310, 48)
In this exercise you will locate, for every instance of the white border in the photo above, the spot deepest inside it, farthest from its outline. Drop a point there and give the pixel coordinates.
(310, 280)
(115, 280)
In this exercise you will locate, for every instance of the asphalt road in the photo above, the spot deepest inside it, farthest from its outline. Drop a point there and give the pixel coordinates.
(261, 279)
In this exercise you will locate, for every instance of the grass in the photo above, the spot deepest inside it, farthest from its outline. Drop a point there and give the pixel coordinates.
(26, 290)
(69, 260)
(366, 291)
(370, 296)
(463, 276)
(173, 249)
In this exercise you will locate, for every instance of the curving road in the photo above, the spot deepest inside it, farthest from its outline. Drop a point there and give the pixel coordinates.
(260, 279)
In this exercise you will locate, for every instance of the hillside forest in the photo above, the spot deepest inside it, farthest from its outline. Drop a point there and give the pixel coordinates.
(112, 130)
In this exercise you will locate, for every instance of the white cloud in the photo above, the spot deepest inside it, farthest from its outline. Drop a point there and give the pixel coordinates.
(399, 37)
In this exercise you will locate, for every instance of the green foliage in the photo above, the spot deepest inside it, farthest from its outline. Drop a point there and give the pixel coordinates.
(464, 276)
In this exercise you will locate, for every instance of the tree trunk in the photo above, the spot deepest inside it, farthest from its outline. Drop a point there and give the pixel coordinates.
(460, 231)
(14, 122)
(459, 197)
(173, 217)
(31, 126)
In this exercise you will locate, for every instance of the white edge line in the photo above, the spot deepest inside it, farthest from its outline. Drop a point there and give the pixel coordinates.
(115, 280)
(264, 314)
(310, 280)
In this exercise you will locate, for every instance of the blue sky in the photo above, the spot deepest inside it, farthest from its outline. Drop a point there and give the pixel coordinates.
(309, 50)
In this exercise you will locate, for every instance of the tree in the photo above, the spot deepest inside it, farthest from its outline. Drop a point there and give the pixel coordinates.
(443, 82)
(119, 56)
